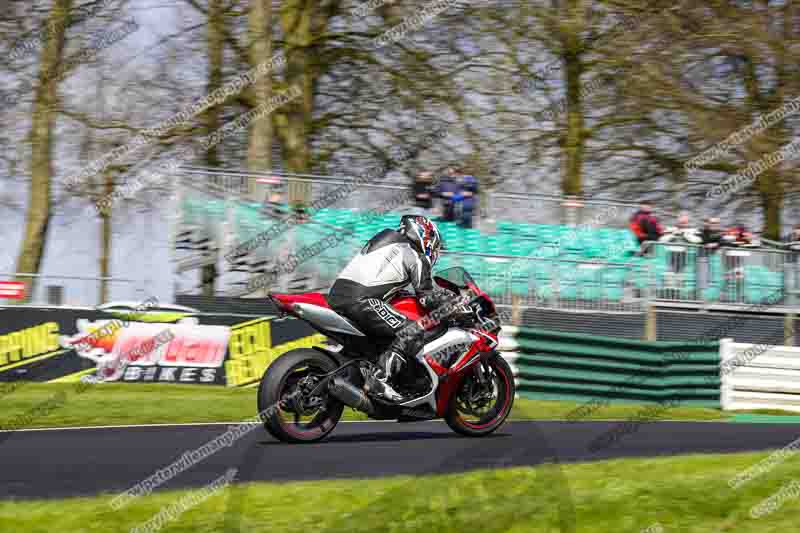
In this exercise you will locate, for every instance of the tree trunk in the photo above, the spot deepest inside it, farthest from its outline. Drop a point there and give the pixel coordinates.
(771, 193)
(303, 22)
(574, 142)
(41, 139)
(296, 21)
(216, 49)
(259, 148)
(105, 242)
(216, 43)
(106, 185)
(769, 184)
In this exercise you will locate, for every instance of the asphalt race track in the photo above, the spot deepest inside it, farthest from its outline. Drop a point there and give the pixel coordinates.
(61, 463)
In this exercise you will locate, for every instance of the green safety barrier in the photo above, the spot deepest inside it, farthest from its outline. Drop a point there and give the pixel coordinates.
(566, 366)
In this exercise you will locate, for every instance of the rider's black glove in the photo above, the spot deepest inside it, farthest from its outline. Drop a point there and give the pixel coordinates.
(436, 297)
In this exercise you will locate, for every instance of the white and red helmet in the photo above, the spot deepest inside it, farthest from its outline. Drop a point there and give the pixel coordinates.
(424, 234)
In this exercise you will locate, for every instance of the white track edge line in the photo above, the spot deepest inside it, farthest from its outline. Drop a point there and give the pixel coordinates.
(185, 424)
(124, 426)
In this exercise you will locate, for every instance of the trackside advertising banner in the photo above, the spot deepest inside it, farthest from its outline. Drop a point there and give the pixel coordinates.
(68, 344)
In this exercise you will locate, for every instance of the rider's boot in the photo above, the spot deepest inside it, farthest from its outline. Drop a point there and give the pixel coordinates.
(388, 362)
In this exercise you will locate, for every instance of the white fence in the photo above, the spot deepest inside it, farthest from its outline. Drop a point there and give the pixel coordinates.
(507, 346)
(758, 376)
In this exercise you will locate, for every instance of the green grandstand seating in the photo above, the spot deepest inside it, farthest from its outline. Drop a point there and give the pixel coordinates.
(475, 266)
(445, 262)
(614, 283)
(507, 227)
(511, 238)
(490, 245)
(589, 281)
(568, 281)
(711, 293)
(518, 247)
(543, 274)
(521, 279)
(574, 244)
(497, 275)
(547, 233)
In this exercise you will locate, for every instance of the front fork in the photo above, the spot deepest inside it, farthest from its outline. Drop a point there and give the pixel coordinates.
(483, 373)
(480, 371)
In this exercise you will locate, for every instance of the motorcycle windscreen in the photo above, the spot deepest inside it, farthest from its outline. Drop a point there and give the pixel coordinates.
(457, 279)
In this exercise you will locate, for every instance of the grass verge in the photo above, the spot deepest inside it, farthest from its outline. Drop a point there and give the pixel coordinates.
(687, 494)
(127, 403)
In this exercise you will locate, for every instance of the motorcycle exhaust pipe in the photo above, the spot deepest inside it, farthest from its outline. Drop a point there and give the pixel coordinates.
(349, 395)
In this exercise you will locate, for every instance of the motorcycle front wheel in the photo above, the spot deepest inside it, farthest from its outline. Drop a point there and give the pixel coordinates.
(478, 409)
(288, 412)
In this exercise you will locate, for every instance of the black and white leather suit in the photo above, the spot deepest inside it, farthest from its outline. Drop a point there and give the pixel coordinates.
(388, 263)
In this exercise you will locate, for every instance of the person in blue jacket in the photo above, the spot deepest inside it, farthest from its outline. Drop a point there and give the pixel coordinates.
(466, 197)
(447, 192)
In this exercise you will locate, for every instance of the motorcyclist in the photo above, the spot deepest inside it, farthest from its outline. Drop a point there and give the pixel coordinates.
(390, 261)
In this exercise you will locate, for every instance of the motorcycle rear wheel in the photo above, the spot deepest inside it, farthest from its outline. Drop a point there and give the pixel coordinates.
(278, 391)
(462, 416)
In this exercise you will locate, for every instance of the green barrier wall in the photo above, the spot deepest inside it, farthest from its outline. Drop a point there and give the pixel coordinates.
(568, 366)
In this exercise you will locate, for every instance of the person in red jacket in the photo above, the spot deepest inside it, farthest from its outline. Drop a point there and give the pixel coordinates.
(739, 235)
(645, 225)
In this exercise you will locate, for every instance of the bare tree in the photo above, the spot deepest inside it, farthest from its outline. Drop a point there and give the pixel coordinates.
(41, 140)
(259, 151)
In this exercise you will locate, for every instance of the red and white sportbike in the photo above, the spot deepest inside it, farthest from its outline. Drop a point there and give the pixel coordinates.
(458, 375)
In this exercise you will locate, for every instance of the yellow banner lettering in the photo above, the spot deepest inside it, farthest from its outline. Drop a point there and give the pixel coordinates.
(15, 346)
(247, 340)
(4, 349)
(235, 344)
(51, 336)
(263, 336)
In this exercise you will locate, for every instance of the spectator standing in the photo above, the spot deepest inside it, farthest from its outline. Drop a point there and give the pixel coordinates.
(447, 190)
(273, 205)
(736, 236)
(645, 225)
(792, 240)
(682, 231)
(466, 197)
(423, 193)
(792, 243)
(739, 235)
(711, 234)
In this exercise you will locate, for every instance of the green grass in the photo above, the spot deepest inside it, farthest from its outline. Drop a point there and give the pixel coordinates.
(128, 403)
(559, 410)
(686, 494)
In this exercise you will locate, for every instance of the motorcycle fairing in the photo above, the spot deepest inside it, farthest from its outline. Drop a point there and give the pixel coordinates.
(326, 319)
(453, 337)
(287, 300)
(409, 307)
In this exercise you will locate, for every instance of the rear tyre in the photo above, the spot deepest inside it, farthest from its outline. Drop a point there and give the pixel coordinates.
(478, 410)
(288, 412)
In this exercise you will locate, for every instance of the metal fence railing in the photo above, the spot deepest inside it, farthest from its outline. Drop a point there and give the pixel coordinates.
(670, 272)
(524, 282)
(74, 290)
(555, 283)
(533, 208)
(529, 282)
(518, 281)
(246, 186)
(338, 192)
(683, 272)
